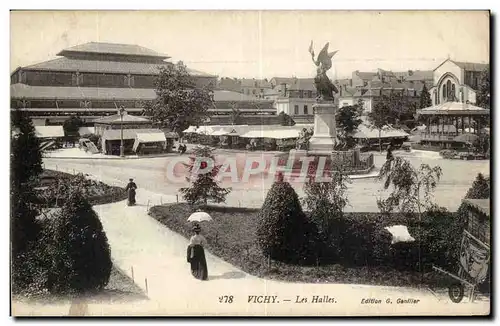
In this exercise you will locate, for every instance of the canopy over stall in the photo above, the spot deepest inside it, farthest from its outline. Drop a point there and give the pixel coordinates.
(151, 137)
(367, 132)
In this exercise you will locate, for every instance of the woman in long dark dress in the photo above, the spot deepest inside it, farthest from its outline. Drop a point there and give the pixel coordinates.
(131, 187)
(196, 254)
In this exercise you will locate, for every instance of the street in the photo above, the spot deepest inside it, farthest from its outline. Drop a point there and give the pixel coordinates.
(151, 174)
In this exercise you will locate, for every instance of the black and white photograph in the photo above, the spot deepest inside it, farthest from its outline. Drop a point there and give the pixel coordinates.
(250, 163)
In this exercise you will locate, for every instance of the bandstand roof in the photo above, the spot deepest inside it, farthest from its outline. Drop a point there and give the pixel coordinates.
(454, 108)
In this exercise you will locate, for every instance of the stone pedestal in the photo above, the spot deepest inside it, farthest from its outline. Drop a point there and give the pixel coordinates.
(324, 138)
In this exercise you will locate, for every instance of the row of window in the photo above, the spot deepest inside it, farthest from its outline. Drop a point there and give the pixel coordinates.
(296, 110)
(85, 104)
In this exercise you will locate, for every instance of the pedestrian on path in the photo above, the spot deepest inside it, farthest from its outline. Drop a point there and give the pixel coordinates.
(196, 254)
(131, 187)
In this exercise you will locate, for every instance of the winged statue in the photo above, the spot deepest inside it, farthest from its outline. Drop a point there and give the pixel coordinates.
(326, 89)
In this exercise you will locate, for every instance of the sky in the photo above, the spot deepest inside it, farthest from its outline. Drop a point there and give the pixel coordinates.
(263, 44)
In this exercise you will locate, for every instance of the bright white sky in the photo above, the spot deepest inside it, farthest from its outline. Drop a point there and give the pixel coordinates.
(263, 44)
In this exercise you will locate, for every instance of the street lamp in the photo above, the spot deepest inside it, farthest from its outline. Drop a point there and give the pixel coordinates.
(121, 111)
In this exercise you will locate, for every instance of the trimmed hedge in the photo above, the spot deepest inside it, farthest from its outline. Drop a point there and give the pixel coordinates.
(56, 185)
(284, 232)
(366, 255)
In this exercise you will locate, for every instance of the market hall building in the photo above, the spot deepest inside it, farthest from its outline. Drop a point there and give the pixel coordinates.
(93, 80)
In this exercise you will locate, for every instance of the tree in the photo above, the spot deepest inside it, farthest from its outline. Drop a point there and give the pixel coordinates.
(483, 94)
(326, 202)
(72, 125)
(283, 231)
(81, 253)
(390, 109)
(425, 98)
(411, 188)
(382, 114)
(348, 119)
(26, 166)
(480, 188)
(205, 187)
(236, 114)
(179, 102)
(285, 119)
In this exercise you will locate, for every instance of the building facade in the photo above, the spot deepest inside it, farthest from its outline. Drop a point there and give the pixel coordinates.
(296, 97)
(92, 80)
(455, 81)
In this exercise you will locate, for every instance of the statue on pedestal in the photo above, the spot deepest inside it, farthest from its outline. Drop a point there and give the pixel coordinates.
(324, 86)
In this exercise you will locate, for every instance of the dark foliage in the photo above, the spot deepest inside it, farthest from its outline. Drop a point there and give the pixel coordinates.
(480, 188)
(81, 256)
(283, 231)
(205, 186)
(285, 119)
(425, 98)
(348, 119)
(367, 255)
(484, 92)
(57, 185)
(26, 166)
(179, 102)
(71, 126)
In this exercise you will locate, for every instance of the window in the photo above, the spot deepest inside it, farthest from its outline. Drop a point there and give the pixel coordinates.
(306, 111)
(301, 94)
(309, 94)
(453, 94)
(444, 92)
(296, 109)
(345, 104)
(448, 88)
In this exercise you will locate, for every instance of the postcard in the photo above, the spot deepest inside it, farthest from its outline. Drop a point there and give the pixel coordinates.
(250, 163)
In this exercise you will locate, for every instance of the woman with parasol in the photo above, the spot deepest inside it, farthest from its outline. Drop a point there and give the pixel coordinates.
(195, 250)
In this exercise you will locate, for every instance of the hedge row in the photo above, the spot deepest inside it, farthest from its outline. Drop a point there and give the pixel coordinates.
(365, 253)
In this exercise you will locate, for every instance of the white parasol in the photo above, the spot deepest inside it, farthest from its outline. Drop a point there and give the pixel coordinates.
(199, 217)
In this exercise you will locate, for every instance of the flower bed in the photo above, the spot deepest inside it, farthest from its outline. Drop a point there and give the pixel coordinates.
(54, 185)
(368, 256)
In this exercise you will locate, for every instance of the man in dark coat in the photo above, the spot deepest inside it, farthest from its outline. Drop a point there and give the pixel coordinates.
(131, 187)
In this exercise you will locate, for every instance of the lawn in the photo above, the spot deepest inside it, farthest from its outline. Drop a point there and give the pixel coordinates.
(231, 236)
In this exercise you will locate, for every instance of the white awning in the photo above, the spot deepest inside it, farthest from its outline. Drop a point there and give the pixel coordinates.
(272, 134)
(190, 129)
(49, 131)
(284, 134)
(154, 137)
(254, 134)
(221, 132)
(86, 130)
(151, 137)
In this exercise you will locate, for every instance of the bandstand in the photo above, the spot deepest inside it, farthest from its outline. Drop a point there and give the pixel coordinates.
(445, 121)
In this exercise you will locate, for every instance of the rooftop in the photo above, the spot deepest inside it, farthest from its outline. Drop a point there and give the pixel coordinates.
(470, 66)
(19, 91)
(72, 64)
(113, 48)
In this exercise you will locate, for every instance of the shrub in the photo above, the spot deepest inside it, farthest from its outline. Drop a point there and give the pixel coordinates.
(81, 254)
(205, 187)
(283, 231)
